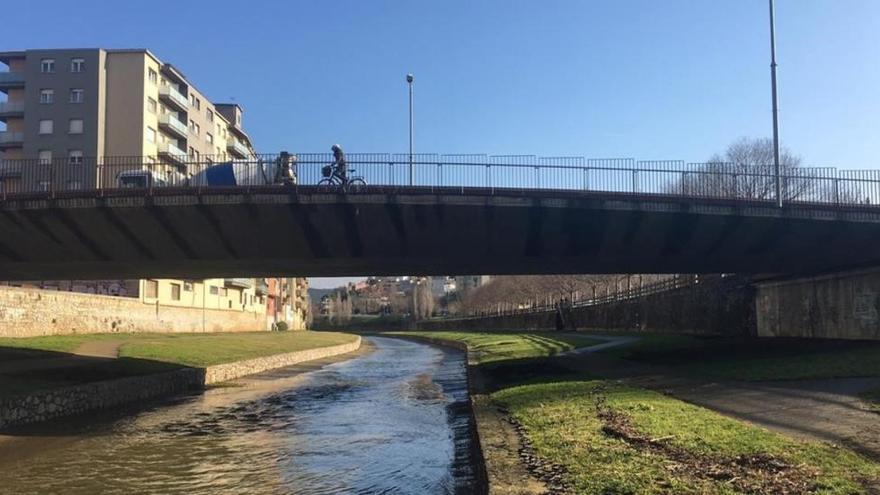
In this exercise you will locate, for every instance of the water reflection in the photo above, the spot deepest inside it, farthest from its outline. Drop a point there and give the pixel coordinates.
(390, 421)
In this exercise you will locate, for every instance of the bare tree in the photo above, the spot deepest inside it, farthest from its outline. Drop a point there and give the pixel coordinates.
(746, 171)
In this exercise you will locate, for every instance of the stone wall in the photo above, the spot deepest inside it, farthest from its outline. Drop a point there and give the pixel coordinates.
(840, 306)
(231, 371)
(34, 312)
(716, 306)
(78, 399)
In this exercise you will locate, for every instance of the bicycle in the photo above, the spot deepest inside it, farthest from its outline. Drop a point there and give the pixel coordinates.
(332, 178)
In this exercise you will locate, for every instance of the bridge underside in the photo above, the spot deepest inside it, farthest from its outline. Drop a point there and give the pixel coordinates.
(430, 232)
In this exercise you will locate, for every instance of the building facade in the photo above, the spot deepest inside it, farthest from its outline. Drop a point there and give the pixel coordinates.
(77, 108)
(91, 116)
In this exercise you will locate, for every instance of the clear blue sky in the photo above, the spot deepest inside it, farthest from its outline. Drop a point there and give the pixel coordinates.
(671, 79)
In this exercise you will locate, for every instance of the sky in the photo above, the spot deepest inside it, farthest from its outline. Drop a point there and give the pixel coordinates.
(646, 79)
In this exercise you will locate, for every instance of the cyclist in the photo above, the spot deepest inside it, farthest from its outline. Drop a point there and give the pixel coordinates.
(339, 163)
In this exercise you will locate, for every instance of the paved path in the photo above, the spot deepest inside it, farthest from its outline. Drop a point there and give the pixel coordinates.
(99, 348)
(828, 410)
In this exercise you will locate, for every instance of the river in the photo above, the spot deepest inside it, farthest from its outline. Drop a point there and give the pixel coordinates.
(392, 420)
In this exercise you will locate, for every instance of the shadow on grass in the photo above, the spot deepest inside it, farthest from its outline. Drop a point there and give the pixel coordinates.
(25, 372)
(530, 371)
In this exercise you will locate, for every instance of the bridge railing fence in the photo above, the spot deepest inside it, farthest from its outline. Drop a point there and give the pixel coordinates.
(549, 303)
(714, 180)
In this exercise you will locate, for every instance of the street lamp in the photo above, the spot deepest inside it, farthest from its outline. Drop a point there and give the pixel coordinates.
(776, 170)
(409, 81)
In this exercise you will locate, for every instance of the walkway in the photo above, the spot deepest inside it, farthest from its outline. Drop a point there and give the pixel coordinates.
(828, 410)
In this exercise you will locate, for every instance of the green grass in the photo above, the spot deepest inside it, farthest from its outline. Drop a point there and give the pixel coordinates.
(489, 347)
(139, 354)
(872, 398)
(755, 359)
(562, 423)
(188, 349)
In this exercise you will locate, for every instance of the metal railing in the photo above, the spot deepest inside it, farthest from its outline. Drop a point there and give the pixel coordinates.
(624, 176)
(553, 303)
(11, 107)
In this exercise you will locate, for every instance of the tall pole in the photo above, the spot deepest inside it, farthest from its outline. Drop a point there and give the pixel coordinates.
(409, 80)
(776, 169)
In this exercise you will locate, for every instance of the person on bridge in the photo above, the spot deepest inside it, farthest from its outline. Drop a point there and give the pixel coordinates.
(339, 163)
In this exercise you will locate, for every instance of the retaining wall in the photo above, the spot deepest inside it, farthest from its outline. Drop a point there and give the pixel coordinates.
(840, 305)
(717, 306)
(78, 399)
(35, 312)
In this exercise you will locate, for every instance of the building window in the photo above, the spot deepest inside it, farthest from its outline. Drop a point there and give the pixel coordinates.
(192, 152)
(195, 102)
(214, 291)
(45, 157)
(47, 126)
(77, 65)
(210, 115)
(74, 185)
(192, 126)
(151, 135)
(152, 76)
(75, 157)
(76, 126)
(44, 185)
(151, 105)
(198, 129)
(175, 292)
(209, 137)
(47, 65)
(47, 96)
(151, 289)
(187, 286)
(77, 95)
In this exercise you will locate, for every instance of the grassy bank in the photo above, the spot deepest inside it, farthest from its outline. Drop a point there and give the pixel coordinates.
(605, 437)
(611, 438)
(755, 359)
(40, 363)
(494, 347)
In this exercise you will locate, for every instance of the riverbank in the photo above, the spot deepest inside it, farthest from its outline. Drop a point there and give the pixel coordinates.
(575, 432)
(49, 377)
(388, 418)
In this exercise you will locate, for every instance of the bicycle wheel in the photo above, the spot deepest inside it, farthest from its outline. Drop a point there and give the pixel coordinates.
(326, 183)
(356, 184)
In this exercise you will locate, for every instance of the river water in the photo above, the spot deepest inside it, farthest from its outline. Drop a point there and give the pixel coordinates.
(393, 420)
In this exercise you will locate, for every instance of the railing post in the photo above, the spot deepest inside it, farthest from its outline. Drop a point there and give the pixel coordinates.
(837, 191)
(537, 177)
(390, 173)
(488, 176)
(587, 179)
(635, 181)
(440, 174)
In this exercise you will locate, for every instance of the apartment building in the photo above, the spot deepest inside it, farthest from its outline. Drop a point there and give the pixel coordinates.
(87, 115)
(76, 108)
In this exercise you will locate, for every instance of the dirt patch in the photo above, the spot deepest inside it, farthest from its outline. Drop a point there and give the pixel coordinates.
(99, 349)
(500, 444)
(757, 473)
(554, 476)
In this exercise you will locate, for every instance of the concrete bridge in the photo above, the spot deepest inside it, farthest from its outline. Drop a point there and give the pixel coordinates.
(311, 231)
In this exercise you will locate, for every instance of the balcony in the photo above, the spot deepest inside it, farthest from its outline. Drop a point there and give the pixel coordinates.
(171, 96)
(237, 149)
(171, 125)
(12, 109)
(11, 139)
(172, 152)
(11, 79)
(241, 283)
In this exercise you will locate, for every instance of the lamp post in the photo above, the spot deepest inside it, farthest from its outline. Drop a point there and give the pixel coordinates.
(409, 81)
(776, 170)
